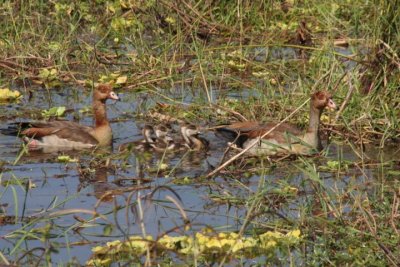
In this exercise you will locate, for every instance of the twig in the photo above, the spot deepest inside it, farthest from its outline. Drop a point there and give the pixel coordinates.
(203, 78)
(8, 63)
(395, 57)
(165, 118)
(180, 208)
(155, 80)
(234, 113)
(373, 229)
(100, 60)
(394, 213)
(344, 103)
(7, 67)
(228, 148)
(338, 82)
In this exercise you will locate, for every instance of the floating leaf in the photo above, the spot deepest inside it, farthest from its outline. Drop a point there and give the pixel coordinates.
(66, 159)
(325, 118)
(121, 80)
(7, 94)
(113, 78)
(170, 20)
(54, 47)
(48, 74)
(107, 230)
(334, 165)
(85, 109)
(54, 112)
(127, 4)
(121, 23)
(236, 65)
(163, 166)
(44, 73)
(49, 77)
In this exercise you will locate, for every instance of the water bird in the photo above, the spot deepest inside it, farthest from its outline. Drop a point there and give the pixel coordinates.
(163, 142)
(159, 139)
(285, 138)
(143, 144)
(59, 134)
(155, 139)
(192, 140)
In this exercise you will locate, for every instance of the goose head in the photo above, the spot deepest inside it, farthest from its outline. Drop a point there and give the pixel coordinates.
(191, 137)
(148, 134)
(321, 100)
(104, 92)
(161, 131)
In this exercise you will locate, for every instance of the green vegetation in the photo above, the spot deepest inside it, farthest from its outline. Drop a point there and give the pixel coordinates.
(273, 54)
(203, 244)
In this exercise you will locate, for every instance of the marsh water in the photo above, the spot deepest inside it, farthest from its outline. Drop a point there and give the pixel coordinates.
(66, 193)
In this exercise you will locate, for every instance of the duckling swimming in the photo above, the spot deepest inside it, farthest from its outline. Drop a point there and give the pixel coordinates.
(193, 141)
(144, 144)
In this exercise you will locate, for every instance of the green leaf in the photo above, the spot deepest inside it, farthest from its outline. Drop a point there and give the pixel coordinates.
(121, 80)
(54, 112)
(66, 158)
(7, 94)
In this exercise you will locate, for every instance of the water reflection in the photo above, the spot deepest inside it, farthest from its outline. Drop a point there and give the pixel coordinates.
(97, 178)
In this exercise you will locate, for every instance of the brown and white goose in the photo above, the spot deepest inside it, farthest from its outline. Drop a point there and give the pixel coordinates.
(72, 135)
(285, 138)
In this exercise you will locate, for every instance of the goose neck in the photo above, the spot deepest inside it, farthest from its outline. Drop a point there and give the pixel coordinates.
(100, 114)
(315, 115)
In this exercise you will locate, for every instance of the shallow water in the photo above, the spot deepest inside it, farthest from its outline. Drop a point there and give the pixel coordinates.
(82, 187)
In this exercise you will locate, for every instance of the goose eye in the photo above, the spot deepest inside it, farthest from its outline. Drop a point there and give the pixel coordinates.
(114, 96)
(331, 104)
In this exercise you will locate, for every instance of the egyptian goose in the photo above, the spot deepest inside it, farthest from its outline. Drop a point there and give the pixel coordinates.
(72, 135)
(285, 138)
(193, 141)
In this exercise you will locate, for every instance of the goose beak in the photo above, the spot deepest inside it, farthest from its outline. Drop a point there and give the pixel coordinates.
(331, 105)
(114, 96)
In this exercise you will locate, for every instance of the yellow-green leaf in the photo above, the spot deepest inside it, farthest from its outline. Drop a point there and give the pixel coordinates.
(7, 94)
(54, 111)
(121, 80)
(66, 158)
